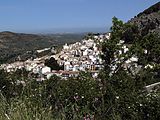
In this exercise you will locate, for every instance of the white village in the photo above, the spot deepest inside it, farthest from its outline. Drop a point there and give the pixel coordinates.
(80, 56)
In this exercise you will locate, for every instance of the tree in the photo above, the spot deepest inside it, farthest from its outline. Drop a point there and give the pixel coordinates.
(52, 63)
(126, 73)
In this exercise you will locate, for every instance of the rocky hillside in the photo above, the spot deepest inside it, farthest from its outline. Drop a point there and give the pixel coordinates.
(13, 45)
(148, 20)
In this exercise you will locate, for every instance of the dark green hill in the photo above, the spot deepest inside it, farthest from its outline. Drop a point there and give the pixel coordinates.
(15, 44)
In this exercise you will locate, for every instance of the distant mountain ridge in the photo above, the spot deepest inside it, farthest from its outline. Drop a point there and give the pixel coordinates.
(148, 21)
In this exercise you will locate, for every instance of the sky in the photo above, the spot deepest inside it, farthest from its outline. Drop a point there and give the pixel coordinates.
(66, 15)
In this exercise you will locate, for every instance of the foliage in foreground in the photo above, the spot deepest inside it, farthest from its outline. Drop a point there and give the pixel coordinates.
(80, 98)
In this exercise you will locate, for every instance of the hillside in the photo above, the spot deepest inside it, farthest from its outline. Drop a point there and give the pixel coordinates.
(148, 21)
(14, 44)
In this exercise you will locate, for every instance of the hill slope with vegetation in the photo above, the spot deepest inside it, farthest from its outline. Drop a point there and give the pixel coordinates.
(13, 45)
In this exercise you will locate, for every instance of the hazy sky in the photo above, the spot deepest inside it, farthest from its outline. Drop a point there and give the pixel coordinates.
(48, 15)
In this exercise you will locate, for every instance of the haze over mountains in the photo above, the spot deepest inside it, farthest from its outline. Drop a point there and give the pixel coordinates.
(70, 30)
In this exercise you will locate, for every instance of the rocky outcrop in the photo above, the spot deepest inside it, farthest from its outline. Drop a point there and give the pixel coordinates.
(148, 20)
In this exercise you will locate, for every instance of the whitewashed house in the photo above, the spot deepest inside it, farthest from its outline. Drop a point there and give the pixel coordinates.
(46, 70)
